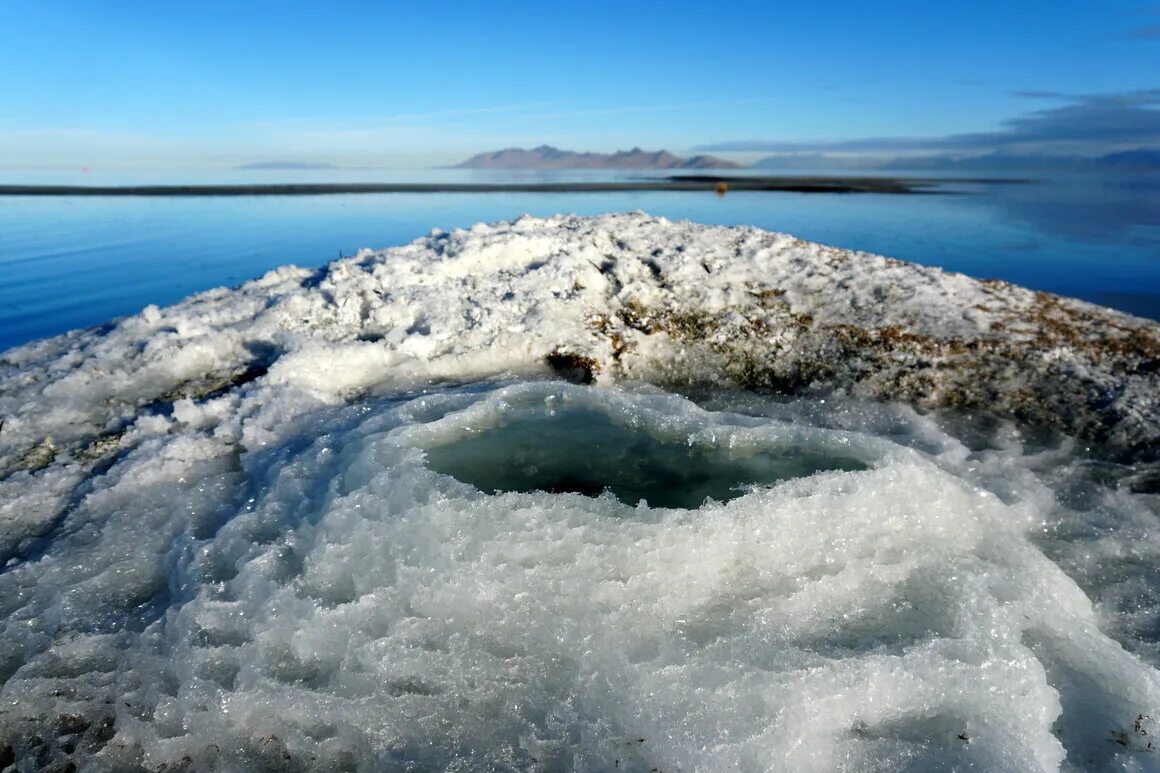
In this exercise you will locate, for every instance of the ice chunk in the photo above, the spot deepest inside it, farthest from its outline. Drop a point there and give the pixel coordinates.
(326, 598)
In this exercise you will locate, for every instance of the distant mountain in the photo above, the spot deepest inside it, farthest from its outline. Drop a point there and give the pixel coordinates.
(815, 161)
(1140, 158)
(993, 162)
(287, 165)
(548, 157)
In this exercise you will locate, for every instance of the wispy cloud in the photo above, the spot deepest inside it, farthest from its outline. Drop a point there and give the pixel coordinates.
(459, 129)
(1146, 33)
(79, 137)
(364, 131)
(1032, 94)
(440, 116)
(1092, 123)
(371, 122)
(623, 109)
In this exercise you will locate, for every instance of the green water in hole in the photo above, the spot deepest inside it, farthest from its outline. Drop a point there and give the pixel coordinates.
(579, 450)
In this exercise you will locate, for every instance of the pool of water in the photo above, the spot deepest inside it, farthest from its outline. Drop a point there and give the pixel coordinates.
(567, 449)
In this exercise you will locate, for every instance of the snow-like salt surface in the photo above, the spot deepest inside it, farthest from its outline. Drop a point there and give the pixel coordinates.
(223, 545)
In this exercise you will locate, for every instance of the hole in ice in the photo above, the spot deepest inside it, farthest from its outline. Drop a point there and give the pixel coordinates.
(581, 450)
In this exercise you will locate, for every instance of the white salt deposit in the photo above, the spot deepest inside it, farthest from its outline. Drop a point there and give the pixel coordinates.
(223, 546)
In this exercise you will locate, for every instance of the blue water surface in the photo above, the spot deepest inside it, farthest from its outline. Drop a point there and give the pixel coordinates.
(69, 262)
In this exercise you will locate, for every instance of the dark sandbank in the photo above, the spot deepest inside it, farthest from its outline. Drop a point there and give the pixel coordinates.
(699, 183)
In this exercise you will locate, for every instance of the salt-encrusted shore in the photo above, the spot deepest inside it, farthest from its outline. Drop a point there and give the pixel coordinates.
(215, 555)
(624, 296)
(592, 299)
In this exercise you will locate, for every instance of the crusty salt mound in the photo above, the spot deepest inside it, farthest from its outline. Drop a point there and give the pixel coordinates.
(354, 518)
(606, 299)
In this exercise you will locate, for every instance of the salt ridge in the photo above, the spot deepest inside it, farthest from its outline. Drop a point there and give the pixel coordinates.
(624, 296)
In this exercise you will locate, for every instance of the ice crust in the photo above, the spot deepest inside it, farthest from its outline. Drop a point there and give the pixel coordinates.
(221, 546)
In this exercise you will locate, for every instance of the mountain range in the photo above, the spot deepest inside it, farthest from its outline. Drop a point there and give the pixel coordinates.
(548, 157)
(1139, 159)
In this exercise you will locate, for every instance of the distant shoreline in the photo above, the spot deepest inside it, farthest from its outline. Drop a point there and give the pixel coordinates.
(698, 183)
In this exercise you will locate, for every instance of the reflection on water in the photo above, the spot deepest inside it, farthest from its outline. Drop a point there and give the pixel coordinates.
(70, 263)
(1088, 207)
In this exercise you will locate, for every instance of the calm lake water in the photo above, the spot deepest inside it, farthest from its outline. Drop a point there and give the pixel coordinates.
(70, 262)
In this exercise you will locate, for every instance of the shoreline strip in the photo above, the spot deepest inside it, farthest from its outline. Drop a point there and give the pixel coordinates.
(903, 186)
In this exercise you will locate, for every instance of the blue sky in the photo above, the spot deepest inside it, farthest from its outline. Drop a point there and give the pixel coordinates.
(379, 82)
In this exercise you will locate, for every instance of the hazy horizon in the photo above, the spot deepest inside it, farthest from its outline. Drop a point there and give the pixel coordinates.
(354, 84)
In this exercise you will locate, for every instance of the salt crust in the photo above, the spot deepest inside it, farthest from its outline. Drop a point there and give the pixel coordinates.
(633, 296)
(222, 548)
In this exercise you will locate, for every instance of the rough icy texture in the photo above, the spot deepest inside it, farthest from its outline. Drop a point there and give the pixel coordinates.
(220, 545)
(246, 590)
(620, 296)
